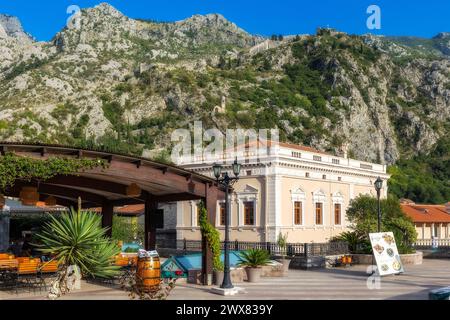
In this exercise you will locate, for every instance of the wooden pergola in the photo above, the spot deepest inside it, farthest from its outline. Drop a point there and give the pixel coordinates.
(109, 187)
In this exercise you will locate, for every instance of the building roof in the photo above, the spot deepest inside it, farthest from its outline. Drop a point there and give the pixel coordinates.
(427, 213)
(300, 147)
(113, 184)
(269, 143)
(133, 210)
(15, 207)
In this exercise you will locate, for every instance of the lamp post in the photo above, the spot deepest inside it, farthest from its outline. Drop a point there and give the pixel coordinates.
(378, 187)
(227, 182)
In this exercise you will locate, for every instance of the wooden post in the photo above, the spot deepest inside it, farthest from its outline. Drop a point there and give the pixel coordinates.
(150, 230)
(207, 257)
(107, 216)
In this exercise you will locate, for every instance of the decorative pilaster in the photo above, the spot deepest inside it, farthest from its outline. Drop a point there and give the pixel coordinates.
(273, 207)
(180, 220)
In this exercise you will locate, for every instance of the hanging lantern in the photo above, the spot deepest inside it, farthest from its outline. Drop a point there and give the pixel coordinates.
(2, 201)
(133, 190)
(29, 196)
(50, 201)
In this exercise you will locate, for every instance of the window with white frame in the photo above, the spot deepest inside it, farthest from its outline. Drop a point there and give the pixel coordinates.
(298, 213)
(247, 201)
(195, 213)
(298, 198)
(319, 213)
(319, 199)
(338, 202)
(222, 213)
(337, 214)
(249, 213)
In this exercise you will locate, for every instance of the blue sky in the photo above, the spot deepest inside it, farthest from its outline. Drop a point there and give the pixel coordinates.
(44, 18)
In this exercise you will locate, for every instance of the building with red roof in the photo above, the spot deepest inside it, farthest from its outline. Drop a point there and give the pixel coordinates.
(430, 220)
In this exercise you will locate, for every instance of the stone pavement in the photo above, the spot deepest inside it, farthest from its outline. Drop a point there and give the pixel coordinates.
(342, 283)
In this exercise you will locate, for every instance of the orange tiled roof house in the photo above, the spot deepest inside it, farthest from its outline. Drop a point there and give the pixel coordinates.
(430, 220)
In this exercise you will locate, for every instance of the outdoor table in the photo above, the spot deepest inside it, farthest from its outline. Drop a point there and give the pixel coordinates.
(8, 272)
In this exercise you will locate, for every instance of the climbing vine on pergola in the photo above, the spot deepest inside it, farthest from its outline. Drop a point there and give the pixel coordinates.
(14, 167)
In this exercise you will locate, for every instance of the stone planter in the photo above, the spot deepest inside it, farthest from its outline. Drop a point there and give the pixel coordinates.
(364, 259)
(412, 259)
(253, 274)
(307, 263)
(195, 276)
(73, 278)
(285, 263)
(407, 259)
(218, 278)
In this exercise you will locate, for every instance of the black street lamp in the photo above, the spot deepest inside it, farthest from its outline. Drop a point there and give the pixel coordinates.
(378, 187)
(227, 182)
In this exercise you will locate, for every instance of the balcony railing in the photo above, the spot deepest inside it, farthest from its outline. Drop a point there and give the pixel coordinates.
(292, 249)
(430, 243)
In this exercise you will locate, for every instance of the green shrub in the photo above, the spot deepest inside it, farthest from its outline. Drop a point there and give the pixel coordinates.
(212, 236)
(363, 214)
(357, 243)
(77, 238)
(126, 230)
(282, 242)
(254, 258)
(3, 124)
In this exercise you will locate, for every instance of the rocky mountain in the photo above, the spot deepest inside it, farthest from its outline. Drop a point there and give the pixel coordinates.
(125, 84)
(412, 46)
(10, 26)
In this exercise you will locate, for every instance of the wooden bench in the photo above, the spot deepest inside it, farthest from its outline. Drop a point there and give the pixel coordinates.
(6, 256)
(49, 267)
(10, 264)
(23, 259)
(28, 267)
(28, 274)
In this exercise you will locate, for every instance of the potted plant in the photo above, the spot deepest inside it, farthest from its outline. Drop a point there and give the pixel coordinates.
(253, 260)
(282, 244)
(218, 275)
(80, 245)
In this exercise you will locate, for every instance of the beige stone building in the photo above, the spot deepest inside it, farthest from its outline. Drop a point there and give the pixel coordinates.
(431, 221)
(291, 189)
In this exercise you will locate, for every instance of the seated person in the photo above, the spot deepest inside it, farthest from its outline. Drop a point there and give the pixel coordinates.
(15, 248)
(27, 247)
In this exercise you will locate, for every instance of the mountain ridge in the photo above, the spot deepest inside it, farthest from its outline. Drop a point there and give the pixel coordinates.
(115, 64)
(125, 84)
(107, 9)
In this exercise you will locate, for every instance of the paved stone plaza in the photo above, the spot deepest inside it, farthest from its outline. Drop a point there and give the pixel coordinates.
(343, 283)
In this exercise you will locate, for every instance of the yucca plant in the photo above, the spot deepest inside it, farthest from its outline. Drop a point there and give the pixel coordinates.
(76, 239)
(355, 241)
(254, 258)
(282, 243)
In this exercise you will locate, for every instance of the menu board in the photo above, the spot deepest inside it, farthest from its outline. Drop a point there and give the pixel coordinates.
(386, 253)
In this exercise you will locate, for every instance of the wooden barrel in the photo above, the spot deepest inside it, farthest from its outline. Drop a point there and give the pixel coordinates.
(149, 273)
